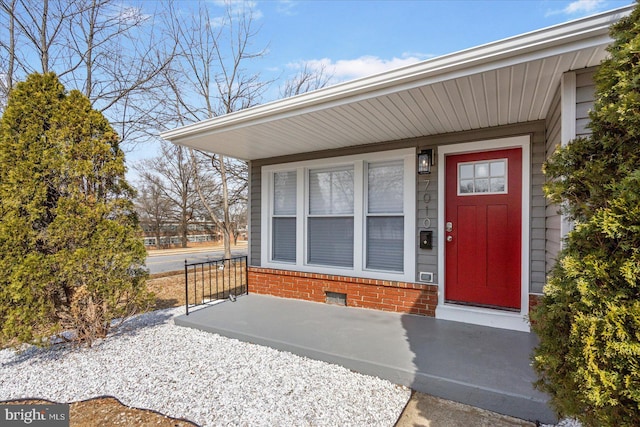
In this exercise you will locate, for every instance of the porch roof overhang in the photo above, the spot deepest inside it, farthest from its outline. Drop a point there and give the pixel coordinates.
(500, 83)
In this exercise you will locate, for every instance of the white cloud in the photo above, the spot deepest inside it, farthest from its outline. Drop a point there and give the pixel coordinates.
(578, 7)
(348, 69)
(286, 7)
(236, 8)
(235, 4)
(127, 14)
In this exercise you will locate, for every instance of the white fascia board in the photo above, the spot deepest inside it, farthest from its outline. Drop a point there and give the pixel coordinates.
(566, 37)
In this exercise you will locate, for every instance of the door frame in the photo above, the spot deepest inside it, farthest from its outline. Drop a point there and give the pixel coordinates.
(478, 315)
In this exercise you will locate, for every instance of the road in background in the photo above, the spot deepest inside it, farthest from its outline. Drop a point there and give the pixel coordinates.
(163, 261)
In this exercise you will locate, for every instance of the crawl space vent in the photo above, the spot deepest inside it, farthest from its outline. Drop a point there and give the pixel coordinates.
(336, 298)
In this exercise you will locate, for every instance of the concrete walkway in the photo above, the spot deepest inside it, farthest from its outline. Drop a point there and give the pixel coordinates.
(478, 366)
(424, 410)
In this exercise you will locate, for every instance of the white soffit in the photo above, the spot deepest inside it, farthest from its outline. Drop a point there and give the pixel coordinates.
(505, 82)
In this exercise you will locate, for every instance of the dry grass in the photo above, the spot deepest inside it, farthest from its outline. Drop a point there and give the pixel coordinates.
(208, 283)
(169, 291)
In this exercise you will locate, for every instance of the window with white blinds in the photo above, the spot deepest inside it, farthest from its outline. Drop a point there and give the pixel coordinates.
(284, 216)
(330, 219)
(345, 215)
(385, 218)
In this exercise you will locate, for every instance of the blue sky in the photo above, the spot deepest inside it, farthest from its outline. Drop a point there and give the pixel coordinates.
(358, 38)
(354, 39)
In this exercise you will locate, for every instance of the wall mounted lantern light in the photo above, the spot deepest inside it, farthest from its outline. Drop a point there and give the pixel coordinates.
(425, 160)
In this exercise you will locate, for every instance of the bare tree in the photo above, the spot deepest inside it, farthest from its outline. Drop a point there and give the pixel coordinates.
(9, 51)
(239, 221)
(110, 51)
(173, 174)
(153, 207)
(306, 80)
(209, 79)
(10, 62)
(229, 198)
(118, 59)
(41, 24)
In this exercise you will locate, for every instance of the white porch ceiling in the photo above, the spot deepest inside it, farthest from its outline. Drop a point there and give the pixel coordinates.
(505, 82)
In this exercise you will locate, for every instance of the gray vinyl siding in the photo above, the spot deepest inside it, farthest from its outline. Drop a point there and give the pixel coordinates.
(585, 97)
(553, 218)
(538, 212)
(427, 259)
(255, 226)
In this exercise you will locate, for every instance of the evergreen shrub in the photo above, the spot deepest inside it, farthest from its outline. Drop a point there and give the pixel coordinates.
(588, 322)
(71, 253)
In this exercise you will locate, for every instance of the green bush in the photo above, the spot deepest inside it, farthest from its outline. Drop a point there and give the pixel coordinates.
(588, 322)
(71, 256)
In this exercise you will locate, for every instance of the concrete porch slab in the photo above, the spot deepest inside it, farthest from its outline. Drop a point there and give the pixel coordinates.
(479, 366)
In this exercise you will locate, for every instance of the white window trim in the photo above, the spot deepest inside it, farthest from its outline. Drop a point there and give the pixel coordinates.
(408, 156)
(478, 315)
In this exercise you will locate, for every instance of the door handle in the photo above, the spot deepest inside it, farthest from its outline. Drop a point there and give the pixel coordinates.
(449, 227)
(449, 238)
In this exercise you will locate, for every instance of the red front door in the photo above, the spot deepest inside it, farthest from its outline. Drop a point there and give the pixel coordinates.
(483, 228)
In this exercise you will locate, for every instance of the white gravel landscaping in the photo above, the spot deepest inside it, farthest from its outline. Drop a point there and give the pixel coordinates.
(208, 379)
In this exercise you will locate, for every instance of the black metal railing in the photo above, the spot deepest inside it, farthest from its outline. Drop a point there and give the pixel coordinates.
(209, 281)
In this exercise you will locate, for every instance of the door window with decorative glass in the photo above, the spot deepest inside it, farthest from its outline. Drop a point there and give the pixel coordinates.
(484, 177)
